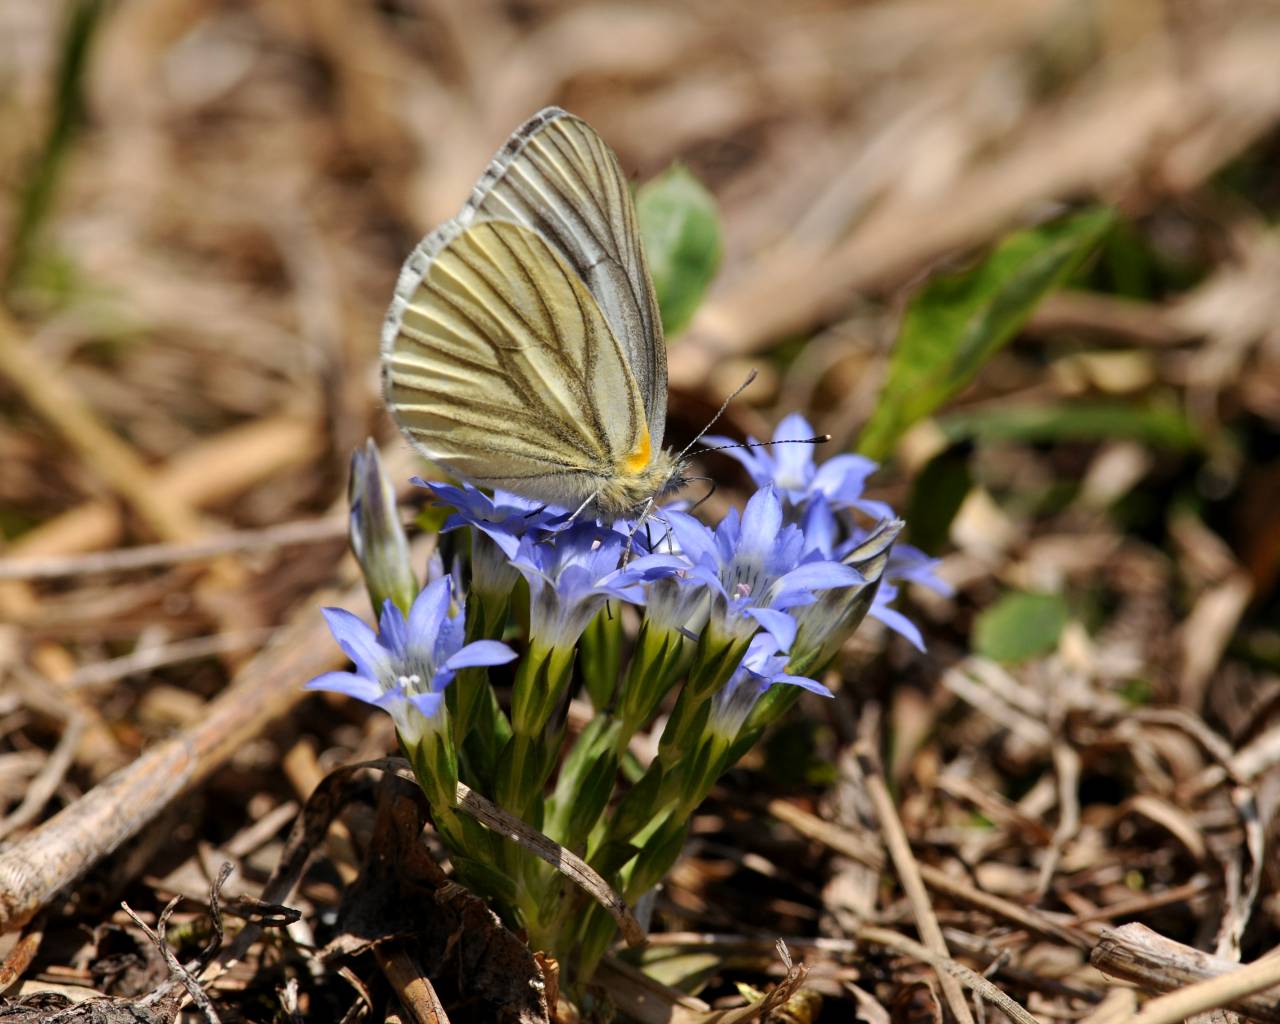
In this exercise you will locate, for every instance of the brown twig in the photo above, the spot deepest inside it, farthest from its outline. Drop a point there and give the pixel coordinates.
(176, 969)
(1195, 980)
(843, 841)
(413, 987)
(147, 556)
(148, 658)
(43, 786)
(58, 852)
(904, 861)
(947, 968)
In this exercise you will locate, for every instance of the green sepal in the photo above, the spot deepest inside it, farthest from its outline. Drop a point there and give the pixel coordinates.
(541, 679)
(486, 620)
(585, 785)
(600, 656)
(688, 721)
(657, 857)
(638, 807)
(482, 746)
(435, 766)
(655, 666)
(483, 878)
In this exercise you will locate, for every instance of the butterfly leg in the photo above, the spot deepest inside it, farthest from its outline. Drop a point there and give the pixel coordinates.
(582, 508)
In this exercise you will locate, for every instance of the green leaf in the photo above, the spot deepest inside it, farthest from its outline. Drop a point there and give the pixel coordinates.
(680, 227)
(1155, 425)
(959, 321)
(37, 194)
(936, 497)
(1020, 626)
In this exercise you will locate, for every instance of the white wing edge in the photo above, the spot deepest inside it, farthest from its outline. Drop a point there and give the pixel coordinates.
(418, 262)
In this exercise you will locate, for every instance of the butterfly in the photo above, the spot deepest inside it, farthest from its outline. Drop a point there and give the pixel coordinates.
(523, 348)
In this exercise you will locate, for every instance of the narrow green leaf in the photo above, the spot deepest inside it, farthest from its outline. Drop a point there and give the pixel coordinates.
(1020, 626)
(936, 496)
(959, 321)
(37, 194)
(1155, 425)
(680, 227)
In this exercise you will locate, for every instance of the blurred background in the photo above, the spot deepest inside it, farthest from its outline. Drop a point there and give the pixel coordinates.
(204, 204)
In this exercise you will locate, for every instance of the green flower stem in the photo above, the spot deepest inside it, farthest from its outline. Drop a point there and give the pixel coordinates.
(585, 784)
(659, 656)
(486, 620)
(435, 764)
(714, 662)
(600, 656)
(480, 729)
(529, 757)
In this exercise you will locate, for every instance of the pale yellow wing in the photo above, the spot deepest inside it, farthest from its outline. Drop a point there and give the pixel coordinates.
(557, 176)
(499, 365)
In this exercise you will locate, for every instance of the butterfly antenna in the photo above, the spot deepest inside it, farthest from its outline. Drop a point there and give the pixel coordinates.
(719, 412)
(819, 439)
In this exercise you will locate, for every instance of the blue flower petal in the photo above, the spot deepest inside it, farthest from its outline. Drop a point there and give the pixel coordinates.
(428, 613)
(812, 685)
(818, 576)
(779, 625)
(429, 704)
(761, 522)
(349, 683)
(479, 653)
(393, 634)
(359, 643)
(899, 623)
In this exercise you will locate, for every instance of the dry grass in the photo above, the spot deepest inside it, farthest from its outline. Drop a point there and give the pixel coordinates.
(195, 274)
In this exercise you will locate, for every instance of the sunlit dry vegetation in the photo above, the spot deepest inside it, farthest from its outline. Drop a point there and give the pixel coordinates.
(1062, 808)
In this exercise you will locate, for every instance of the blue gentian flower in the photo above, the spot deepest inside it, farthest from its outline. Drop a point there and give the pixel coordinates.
(405, 667)
(572, 573)
(905, 564)
(505, 518)
(762, 666)
(497, 526)
(826, 624)
(377, 538)
(790, 469)
(756, 567)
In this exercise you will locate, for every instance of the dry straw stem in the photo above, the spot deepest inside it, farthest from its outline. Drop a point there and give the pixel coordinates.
(101, 451)
(412, 986)
(1151, 114)
(567, 863)
(948, 968)
(895, 839)
(206, 473)
(36, 867)
(150, 556)
(851, 845)
(1196, 980)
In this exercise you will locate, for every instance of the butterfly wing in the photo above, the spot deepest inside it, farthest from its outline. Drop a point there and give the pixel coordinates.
(558, 177)
(499, 364)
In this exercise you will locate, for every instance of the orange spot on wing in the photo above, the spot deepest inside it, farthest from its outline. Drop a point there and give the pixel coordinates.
(639, 456)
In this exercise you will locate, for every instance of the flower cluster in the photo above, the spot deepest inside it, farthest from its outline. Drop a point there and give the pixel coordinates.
(737, 619)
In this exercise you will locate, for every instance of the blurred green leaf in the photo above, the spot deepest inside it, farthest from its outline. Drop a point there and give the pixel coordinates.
(1156, 425)
(1020, 626)
(41, 183)
(680, 227)
(936, 496)
(960, 321)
